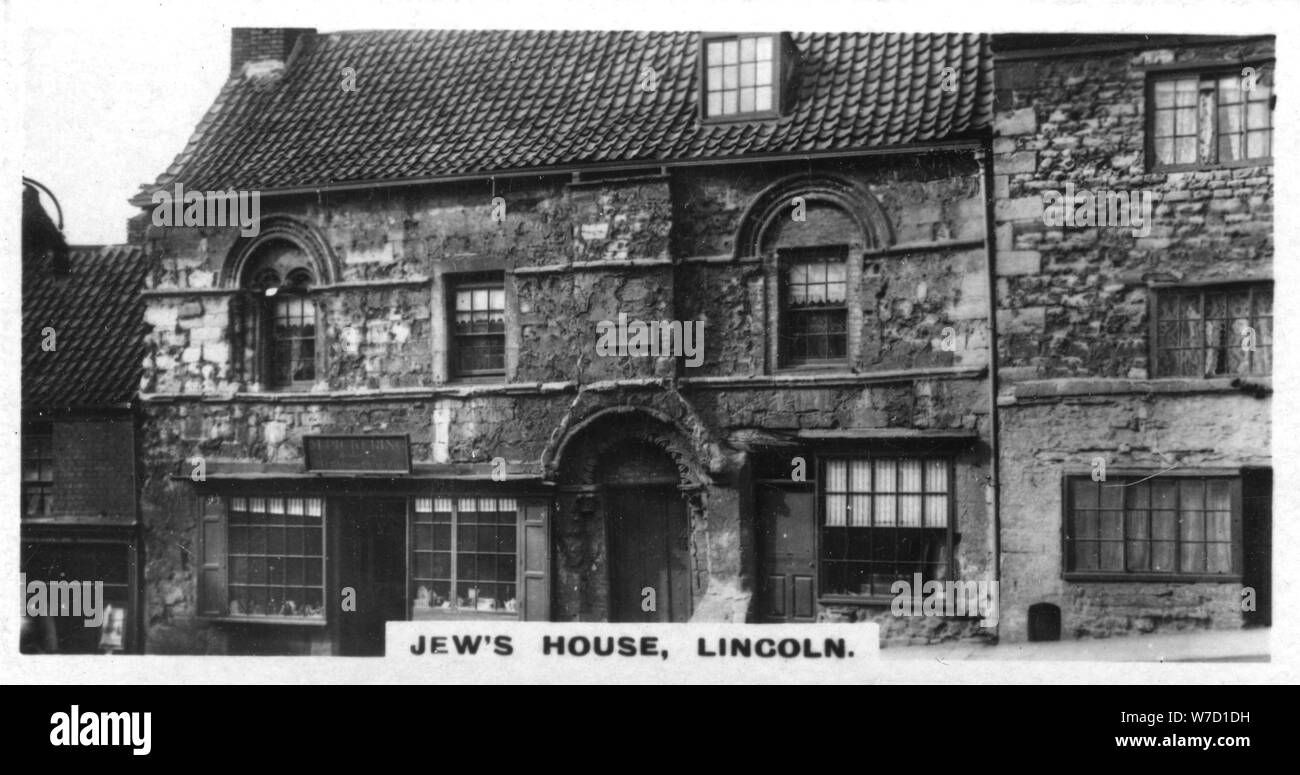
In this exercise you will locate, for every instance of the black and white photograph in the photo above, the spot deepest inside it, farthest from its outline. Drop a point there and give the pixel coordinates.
(768, 347)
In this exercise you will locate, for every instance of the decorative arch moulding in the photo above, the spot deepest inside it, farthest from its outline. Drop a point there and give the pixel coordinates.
(776, 200)
(284, 228)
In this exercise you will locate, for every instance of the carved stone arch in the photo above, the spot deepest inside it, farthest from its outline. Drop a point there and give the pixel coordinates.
(774, 202)
(281, 228)
(607, 430)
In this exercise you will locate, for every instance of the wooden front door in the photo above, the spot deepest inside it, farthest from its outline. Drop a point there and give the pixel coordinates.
(371, 552)
(648, 554)
(787, 553)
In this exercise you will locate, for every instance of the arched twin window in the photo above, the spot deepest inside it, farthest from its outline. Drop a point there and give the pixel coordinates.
(276, 326)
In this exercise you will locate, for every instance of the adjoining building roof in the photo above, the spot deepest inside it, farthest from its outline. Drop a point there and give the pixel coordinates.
(97, 316)
(432, 104)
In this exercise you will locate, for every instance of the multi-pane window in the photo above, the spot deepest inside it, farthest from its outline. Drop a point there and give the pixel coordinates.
(1153, 525)
(276, 557)
(282, 324)
(38, 474)
(293, 333)
(1214, 331)
(478, 345)
(739, 74)
(815, 313)
(1202, 120)
(884, 519)
(464, 556)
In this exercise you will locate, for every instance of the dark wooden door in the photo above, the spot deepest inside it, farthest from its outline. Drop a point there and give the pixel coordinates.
(1257, 542)
(648, 549)
(372, 561)
(787, 554)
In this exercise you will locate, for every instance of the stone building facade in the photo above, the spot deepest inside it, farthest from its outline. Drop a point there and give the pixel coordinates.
(393, 400)
(1134, 363)
(834, 437)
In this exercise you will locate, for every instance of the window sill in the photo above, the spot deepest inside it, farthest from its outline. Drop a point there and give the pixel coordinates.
(1154, 578)
(478, 379)
(737, 118)
(1092, 386)
(294, 621)
(827, 367)
(440, 614)
(862, 600)
(1265, 161)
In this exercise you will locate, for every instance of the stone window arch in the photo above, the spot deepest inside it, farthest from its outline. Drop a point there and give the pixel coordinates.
(810, 232)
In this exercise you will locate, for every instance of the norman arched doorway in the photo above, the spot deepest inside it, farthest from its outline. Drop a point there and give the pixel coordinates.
(630, 539)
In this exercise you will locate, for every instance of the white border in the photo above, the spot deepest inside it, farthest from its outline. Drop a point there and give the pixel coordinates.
(147, 20)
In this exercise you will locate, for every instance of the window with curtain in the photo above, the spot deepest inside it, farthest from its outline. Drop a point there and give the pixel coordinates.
(276, 321)
(1153, 526)
(478, 327)
(1200, 120)
(1214, 331)
(884, 519)
(814, 306)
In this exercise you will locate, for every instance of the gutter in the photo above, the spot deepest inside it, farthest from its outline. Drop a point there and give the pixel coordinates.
(985, 158)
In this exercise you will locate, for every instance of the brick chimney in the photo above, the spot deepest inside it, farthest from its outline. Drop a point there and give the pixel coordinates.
(260, 44)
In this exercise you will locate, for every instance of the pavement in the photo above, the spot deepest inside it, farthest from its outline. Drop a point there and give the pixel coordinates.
(1250, 645)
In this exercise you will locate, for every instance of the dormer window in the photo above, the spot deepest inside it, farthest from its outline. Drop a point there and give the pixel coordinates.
(742, 75)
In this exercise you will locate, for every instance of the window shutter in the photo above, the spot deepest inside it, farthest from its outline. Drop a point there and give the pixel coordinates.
(534, 562)
(212, 565)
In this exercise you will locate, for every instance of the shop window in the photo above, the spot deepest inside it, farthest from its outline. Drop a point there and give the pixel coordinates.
(814, 306)
(464, 556)
(1213, 331)
(478, 329)
(1167, 527)
(1210, 119)
(883, 520)
(276, 558)
(38, 473)
(77, 558)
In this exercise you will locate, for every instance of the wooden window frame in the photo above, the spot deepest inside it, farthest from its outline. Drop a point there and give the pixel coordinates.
(785, 257)
(231, 582)
(453, 550)
(491, 281)
(1068, 573)
(782, 51)
(260, 311)
(273, 363)
(45, 486)
(1153, 318)
(820, 521)
(1204, 76)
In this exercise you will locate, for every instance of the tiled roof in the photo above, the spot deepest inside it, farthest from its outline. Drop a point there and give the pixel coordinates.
(98, 321)
(430, 104)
